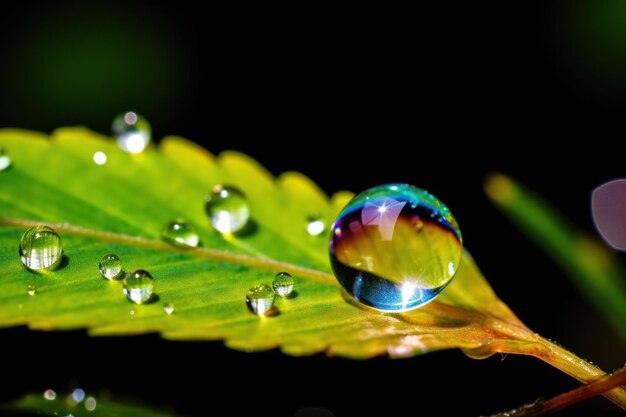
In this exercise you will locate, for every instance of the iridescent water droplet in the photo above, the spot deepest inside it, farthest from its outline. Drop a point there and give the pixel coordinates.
(315, 225)
(132, 131)
(283, 284)
(5, 160)
(49, 395)
(260, 299)
(168, 308)
(110, 267)
(100, 158)
(31, 290)
(138, 286)
(90, 403)
(380, 258)
(228, 209)
(181, 233)
(40, 248)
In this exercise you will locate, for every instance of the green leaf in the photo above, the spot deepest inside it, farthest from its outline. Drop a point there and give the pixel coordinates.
(63, 405)
(593, 268)
(120, 208)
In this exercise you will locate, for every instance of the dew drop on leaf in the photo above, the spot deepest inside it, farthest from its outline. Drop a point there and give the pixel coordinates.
(260, 299)
(395, 247)
(40, 248)
(5, 160)
(180, 233)
(315, 225)
(227, 208)
(168, 308)
(138, 286)
(132, 131)
(283, 284)
(110, 267)
(31, 290)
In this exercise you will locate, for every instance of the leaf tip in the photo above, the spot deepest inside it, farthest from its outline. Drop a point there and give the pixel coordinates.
(499, 187)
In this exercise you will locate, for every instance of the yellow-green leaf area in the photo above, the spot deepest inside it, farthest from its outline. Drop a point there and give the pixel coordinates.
(121, 206)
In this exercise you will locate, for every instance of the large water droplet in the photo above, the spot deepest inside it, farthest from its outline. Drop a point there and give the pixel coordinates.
(40, 248)
(132, 131)
(315, 225)
(181, 233)
(395, 247)
(110, 267)
(260, 299)
(227, 208)
(283, 284)
(168, 308)
(31, 290)
(138, 286)
(5, 160)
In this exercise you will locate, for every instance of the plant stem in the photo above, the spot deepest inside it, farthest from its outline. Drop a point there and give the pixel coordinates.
(542, 408)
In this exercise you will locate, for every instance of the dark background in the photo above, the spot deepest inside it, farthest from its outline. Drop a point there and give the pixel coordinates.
(438, 97)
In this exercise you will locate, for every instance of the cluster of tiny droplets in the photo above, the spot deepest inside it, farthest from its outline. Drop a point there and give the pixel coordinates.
(228, 210)
(260, 298)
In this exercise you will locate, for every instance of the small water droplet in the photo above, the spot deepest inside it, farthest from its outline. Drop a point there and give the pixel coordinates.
(110, 267)
(381, 260)
(20, 306)
(49, 395)
(5, 160)
(228, 209)
(168, 308)
(260, 299)
(90, 403)
(40, 248)
(181, 233)
(132, 131)
(283, 284)
(78, 395)
(31, 290)
(100, 158)
(315, 225)
(138, 286)
(131, 312)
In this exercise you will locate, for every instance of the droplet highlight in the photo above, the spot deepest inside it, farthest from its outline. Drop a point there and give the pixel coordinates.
(78, 395)
(31, 290)
(315, 225)
(139, 286)
(133, 132)
(40, 248)
(260, 299)
(100, 158)
(283, 284)
(5, 159)
(168, 308)
(181, 233)
(110, 267)
(228, 209)
(49, 395)
(395, 247)
(90, 403)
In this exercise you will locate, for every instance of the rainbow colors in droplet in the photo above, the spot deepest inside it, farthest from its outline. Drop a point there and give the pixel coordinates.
(395, 247)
